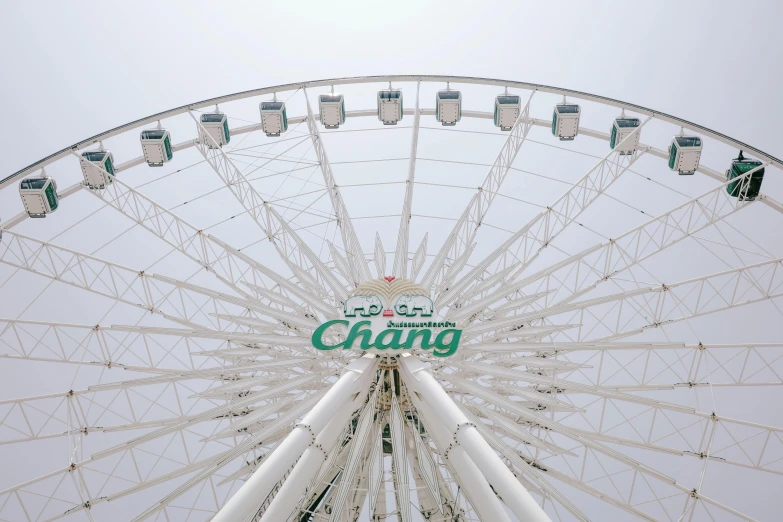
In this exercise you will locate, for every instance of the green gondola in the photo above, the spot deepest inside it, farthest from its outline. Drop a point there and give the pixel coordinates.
(749, 187)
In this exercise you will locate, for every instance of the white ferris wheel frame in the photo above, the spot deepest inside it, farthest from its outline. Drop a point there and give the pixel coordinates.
(476, 452)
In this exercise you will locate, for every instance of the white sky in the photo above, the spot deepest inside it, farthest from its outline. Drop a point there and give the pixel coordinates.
(73, 69)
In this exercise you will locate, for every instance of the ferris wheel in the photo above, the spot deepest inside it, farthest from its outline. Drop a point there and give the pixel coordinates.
(394, 298)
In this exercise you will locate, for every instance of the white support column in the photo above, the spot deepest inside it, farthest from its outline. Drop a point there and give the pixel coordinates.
(357, 450)
(245, 502)
(418, 378)
(476, 487)
(313, 457)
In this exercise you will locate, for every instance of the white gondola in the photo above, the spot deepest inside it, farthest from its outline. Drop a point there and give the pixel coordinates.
(684, 154)
(565, 121)
(156, 144)
(507, 108)
(274, 120)
(621, 129)
(96, 167)
(216, 125)
(390, 106)
(39, 196)
(332, 109)
(448, 107)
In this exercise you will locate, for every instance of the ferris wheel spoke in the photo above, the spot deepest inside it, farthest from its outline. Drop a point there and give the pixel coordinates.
(50, 497)
(112, 407)
(167, 351)
(529, 333)
(293, 342)
(234, 373)
(293, 252)
(503, 293)
(92, 345)
(236, 260)
(231, 409)
(228, 264)
(104, 479)
(697, 297)
(181, 302)
(679, 366)
(742, 443)
(525, 467)
(291, 244)
(353, 248)
(598, 451)
(537, 233)
(605, 261)
(614, 316)
(400, 268)
(545, 468)
(241, 449)
(462, 236)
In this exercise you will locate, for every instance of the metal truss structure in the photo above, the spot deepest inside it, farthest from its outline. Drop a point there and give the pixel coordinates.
(615, 329)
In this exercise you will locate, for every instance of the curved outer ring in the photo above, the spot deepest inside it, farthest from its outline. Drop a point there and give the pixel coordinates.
(392, 78)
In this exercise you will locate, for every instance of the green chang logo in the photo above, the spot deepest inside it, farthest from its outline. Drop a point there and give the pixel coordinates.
(370, 323)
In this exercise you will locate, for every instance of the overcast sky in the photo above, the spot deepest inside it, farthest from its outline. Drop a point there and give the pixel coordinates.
(73, 69)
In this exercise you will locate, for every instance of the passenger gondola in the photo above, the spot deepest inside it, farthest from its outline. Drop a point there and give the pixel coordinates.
(390, 106)
(156, 144)
(623, 128)
(684, 154)
(448, 107)
(39, 196)
(274, 120)
(565, 121)
(215, 124)
(507, 111)
(97, 168)
(749, 187)
(332, 109)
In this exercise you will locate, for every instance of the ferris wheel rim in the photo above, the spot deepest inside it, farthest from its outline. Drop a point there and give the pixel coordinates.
(350, 80)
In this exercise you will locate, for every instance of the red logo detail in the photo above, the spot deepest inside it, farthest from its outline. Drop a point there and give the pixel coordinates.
(388, 313)
(389, 279)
